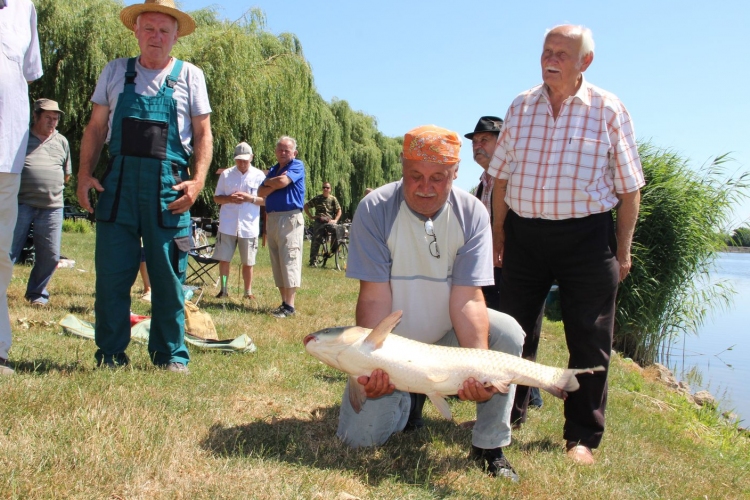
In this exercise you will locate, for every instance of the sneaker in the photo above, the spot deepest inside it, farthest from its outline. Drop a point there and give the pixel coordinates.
(146, 297)
(282, 312)
(176, 367)
(117, 361)
(222, 294)
(493, 462)
(249, 296)
(5, 368)
(40, 302)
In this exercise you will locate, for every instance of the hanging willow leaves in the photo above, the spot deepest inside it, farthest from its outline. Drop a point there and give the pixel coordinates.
(260, 87)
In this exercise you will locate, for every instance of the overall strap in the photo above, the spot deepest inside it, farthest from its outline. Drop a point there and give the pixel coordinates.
(171, 80)
(130, 75)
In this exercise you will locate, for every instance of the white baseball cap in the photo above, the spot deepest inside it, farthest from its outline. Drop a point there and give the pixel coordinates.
(243, 151)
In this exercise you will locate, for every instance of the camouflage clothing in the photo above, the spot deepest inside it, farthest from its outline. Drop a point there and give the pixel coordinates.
(325, 206)
(322, 206)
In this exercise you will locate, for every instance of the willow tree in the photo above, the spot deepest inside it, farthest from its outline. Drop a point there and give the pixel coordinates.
(371, 155)
(676, 240)
(260, 87)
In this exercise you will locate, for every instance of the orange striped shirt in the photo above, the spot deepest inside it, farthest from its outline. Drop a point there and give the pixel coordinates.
(570, 167)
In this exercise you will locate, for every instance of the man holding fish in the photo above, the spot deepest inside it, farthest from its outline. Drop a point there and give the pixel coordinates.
(422, 246)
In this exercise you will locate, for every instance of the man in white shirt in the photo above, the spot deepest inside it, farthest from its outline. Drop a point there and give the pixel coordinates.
(20, 63)
(239, 218)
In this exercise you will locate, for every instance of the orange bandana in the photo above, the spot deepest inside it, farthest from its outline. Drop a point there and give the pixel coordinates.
(433, 144)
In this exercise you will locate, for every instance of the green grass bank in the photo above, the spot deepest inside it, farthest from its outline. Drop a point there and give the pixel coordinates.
(262, 425)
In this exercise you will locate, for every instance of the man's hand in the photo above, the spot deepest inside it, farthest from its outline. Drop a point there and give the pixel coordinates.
(627, 215)
(240, 197)
(377, 384)
(623, 258)
(86, 183)
(474, 391)
(182, 204)
(499, 212)
(498, 246)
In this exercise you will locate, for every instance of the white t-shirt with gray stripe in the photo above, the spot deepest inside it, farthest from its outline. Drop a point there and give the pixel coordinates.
(388, 243)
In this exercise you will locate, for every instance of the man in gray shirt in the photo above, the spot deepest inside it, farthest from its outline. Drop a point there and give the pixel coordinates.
(40, 198)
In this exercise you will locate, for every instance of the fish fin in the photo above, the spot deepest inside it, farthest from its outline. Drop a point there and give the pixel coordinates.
(501, 385)
(567, 382)
(357, 396)
(436, 379)
(378, 334)
(441, 404)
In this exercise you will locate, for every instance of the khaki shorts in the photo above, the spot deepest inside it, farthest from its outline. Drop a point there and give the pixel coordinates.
(225, 245)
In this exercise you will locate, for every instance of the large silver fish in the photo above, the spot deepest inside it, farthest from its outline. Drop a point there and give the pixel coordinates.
(436, 371)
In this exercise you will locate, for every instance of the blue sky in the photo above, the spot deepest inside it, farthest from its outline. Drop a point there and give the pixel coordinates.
(679, 66)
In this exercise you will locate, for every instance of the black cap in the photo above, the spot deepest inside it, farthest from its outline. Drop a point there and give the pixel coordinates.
(487, 124)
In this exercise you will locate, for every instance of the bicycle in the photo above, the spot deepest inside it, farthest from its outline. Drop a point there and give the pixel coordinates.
(201, 243)
(335, 244)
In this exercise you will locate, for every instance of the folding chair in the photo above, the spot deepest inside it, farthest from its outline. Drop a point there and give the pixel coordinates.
(200, 264)
(200, 259)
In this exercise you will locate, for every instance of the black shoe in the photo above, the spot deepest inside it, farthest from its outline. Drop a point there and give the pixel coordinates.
(119, 360)
(415, 421)
(493, 462)
(282, 312)
(222, 294)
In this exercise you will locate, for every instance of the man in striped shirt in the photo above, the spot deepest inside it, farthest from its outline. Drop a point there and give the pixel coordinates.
(567, 157)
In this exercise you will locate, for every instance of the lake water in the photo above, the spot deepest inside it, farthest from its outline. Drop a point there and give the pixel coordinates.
(720, 352)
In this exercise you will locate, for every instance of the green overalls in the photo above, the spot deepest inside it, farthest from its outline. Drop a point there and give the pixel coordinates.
(147, 158)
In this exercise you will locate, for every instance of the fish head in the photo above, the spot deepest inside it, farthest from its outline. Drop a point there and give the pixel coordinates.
(327, 344)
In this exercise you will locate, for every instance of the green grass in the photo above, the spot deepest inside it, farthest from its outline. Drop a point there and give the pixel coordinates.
(262, 425)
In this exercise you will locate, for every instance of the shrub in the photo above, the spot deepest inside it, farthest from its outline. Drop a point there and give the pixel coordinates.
(77, 226)
(674, 246)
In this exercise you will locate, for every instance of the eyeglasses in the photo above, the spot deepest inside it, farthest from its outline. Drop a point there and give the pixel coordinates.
(326, 187)
(430, 230)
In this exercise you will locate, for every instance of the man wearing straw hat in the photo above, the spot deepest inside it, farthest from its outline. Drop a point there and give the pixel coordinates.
(153, 110)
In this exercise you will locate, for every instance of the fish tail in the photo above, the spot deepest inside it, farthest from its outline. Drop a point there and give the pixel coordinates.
(567, 381)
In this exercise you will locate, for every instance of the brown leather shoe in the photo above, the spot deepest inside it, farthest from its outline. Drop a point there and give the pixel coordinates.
(579, 453)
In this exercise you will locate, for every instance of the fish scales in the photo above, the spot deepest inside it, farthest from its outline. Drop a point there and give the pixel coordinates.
(418, 367)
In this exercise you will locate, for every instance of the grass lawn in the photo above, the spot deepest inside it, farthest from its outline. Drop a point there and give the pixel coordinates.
(262, 425)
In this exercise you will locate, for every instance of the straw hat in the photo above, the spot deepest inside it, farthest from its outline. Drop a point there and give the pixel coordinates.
(185, 23)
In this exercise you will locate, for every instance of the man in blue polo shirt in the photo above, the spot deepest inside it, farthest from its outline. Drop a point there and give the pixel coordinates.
(284, 192)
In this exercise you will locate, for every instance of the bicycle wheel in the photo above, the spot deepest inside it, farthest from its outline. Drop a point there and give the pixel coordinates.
(200, 241)
(322, 257)
(342, 254)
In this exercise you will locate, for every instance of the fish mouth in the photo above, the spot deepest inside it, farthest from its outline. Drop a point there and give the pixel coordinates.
(307, 339)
